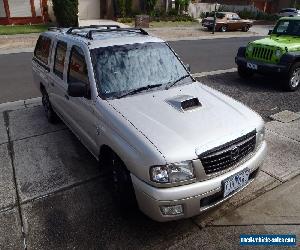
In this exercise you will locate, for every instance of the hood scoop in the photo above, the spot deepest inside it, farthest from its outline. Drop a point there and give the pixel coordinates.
(184, 102)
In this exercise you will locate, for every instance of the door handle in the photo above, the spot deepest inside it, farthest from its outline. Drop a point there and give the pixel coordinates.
(67, 97)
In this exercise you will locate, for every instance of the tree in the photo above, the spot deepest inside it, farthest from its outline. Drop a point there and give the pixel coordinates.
(150, 5)
(66, 12)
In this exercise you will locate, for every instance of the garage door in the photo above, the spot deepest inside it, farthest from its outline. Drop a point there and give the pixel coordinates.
(19, 8)
(89, 9)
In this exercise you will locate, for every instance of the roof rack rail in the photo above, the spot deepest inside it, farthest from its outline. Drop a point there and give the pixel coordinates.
(89, 35)
(55, 29)
(70, 30)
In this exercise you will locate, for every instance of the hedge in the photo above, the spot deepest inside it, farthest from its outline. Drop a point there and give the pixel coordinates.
(66, 12)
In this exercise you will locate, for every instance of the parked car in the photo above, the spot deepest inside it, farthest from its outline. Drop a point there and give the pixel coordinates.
(279, 54)
(226, 21)
(289, 12)
(172, 145)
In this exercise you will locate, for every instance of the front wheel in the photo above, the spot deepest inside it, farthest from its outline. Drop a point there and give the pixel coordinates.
(293, 80)
(244, 72)
(122, 187)
(246, 28)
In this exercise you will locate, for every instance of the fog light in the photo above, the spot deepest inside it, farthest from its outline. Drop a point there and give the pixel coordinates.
(172, 210)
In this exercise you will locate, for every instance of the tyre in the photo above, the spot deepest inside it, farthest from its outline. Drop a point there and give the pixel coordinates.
(293, 80)
(245, 28)
(223, 28)
(50, 114)
(121, 185)
(244, 72)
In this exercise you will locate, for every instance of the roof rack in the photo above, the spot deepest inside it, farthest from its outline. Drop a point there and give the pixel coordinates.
(89, 35)
(100, 28)
(55, 29)
(108, 27)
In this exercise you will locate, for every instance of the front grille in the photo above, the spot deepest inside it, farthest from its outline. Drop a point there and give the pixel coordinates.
(262, 53)
(227, 155)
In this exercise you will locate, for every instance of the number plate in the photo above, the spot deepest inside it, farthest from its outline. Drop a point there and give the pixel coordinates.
(236, 181)
(251, 66)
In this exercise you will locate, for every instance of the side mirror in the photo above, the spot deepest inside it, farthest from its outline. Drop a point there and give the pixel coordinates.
(188, 67)
(77, 89)
(270, 32)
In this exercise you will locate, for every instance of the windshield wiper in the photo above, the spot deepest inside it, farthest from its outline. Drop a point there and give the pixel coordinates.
(178, 80)
(135, 91)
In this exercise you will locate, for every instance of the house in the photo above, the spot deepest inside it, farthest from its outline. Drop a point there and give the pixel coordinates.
(23, 11)
(269, 6)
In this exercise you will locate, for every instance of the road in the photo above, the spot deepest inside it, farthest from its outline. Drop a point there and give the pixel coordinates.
(202, 55)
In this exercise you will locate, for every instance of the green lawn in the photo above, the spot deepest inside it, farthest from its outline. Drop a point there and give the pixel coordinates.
(22, 29)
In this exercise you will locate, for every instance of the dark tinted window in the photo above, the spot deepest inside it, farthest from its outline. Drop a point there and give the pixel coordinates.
(60, 56)
(77, 66)
(42, 49)
(218, 15)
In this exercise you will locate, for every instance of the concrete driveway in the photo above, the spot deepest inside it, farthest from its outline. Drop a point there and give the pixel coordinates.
(53, 194)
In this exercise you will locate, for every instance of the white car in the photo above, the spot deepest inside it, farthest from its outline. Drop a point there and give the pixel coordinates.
(289, 12)
(173, 145)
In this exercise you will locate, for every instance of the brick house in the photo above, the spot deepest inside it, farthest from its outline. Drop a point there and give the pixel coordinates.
(269, 6)
(23, 11)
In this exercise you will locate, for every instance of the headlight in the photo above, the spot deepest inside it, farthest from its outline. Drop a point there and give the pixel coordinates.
(261, 136)
(250, 48)
(172, 173)
(278, 53)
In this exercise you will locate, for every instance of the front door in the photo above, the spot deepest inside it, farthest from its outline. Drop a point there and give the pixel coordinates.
(82, 109)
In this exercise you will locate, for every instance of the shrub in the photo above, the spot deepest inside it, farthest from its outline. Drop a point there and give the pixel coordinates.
(122, 7)
(66, 12)
(150, 5)
(128, 7)
(248, 14)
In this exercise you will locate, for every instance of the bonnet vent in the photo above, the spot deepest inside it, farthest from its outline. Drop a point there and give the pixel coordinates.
(184, 102)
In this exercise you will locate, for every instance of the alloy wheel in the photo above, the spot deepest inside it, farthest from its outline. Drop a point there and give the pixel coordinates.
(295, 79)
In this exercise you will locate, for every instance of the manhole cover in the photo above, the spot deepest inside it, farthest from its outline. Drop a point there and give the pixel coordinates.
(285, 116)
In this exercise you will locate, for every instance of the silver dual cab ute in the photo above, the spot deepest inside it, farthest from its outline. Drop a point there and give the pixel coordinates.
(174, 146)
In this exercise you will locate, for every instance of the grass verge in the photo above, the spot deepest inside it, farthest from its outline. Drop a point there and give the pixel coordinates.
(22, 29)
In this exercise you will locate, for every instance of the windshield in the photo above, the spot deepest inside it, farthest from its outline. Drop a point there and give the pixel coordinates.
(287, 27)
(120, 69)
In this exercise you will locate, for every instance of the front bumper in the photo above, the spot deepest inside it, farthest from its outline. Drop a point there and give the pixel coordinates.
(196, 197)
(262, 67)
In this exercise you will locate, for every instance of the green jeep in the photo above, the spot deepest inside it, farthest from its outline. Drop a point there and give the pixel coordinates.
(279, 53)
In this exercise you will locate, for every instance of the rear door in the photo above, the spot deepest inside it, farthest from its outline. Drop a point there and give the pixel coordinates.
(40, 61)
(58, 85)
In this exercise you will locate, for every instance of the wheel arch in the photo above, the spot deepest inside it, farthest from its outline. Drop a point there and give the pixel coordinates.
(105, 154)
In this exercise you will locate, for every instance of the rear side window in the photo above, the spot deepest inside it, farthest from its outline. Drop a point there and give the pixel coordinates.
(77, 66)
(42, 49)
(59, 61)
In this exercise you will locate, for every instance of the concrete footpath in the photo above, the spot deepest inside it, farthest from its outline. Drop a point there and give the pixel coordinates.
(53, 195)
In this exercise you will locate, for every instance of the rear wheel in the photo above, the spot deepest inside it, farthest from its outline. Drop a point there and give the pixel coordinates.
(223, 28)
(50, 114)
(244, 72)
(293, 81)
(246, 28)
